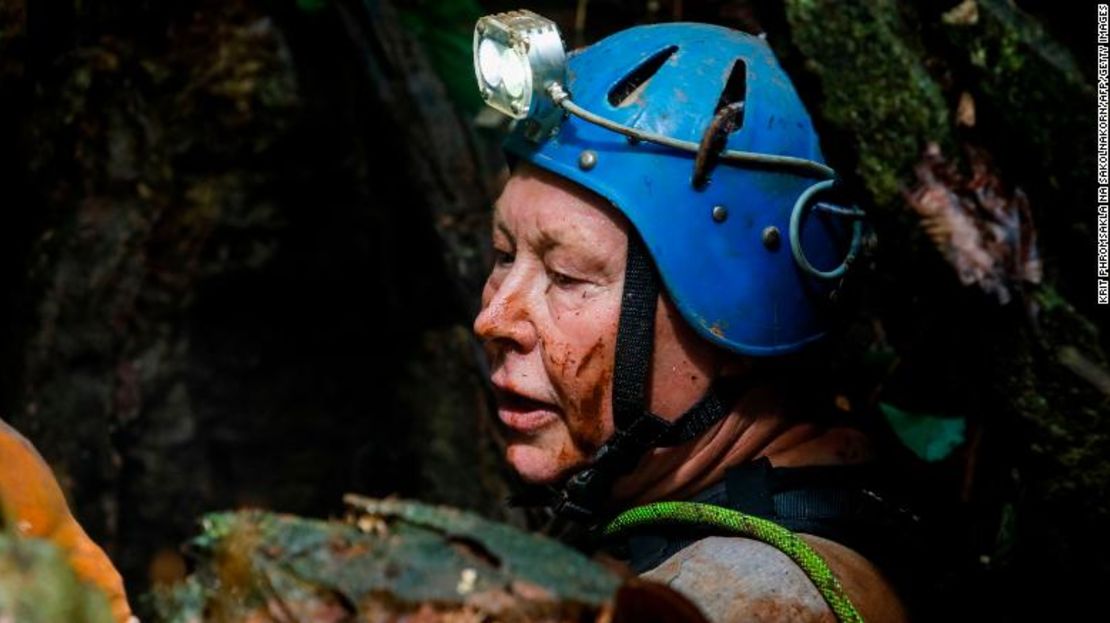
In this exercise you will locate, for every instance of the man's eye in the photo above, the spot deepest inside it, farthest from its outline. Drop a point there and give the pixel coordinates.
(503, 258)
(563, 280)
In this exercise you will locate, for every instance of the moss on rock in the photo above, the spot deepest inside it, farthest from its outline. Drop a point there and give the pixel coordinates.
(874, 84)
(401, 559)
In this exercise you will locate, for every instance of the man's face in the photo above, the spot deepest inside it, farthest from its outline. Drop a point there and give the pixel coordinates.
(549, 317)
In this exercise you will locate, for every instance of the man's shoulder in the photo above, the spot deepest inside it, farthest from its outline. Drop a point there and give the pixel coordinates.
(739, 579)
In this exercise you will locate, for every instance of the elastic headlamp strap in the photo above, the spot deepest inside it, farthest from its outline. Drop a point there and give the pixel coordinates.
(637, 429)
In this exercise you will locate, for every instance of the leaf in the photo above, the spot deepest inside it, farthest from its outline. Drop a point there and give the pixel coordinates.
(931, 437)
(964, 14)
(983, 228)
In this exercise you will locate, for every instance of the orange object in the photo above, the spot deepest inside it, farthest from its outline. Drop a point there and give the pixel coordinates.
(33, 504)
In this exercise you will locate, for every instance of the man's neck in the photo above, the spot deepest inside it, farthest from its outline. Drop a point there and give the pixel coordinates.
(758, 425)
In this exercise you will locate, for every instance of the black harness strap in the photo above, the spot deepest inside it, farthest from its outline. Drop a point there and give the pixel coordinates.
(707, 412)
(824, 500)
(635, 334)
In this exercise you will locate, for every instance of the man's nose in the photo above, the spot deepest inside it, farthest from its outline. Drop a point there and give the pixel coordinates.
(506, 317)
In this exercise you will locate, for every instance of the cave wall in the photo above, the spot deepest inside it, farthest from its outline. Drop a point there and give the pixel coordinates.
(225, 284)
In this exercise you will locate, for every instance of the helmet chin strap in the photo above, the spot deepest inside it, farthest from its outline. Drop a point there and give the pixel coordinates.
(584, 496)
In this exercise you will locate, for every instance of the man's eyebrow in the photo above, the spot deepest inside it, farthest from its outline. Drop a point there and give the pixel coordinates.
(500, 226)
(547, 242)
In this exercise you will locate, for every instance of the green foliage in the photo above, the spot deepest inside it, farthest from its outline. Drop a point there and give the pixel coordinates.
(931, 437)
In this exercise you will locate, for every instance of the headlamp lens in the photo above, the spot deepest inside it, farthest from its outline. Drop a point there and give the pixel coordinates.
(489, 63)
(514, 72)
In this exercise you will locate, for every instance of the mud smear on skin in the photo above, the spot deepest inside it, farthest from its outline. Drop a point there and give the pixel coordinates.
(567, 361)
(587, 428)
(589, 356)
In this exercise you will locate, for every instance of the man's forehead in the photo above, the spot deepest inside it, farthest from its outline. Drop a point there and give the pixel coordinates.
(545, 223)
(536, 197)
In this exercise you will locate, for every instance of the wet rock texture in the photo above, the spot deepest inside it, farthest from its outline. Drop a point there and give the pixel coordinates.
(390, 561)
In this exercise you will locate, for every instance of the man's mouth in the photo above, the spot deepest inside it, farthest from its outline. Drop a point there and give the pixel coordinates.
(521, 413)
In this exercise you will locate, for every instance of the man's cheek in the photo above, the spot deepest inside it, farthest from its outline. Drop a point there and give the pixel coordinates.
(592, 375)
(561, 362)
(558, 363)
(587, 420)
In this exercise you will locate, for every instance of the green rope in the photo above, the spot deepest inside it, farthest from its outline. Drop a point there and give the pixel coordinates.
(697, 514)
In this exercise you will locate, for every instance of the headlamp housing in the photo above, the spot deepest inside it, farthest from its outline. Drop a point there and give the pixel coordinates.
(518, 55)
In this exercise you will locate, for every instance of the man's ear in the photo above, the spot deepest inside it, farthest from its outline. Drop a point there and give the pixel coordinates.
(643, 601)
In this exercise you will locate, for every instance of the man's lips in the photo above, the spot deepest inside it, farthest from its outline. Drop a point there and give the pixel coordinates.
(521, 413)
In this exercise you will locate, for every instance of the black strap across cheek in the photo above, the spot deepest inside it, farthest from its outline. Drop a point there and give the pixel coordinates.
(635, 334)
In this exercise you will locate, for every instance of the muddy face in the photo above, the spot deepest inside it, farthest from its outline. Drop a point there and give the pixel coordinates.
(549, 320)
(549, 317)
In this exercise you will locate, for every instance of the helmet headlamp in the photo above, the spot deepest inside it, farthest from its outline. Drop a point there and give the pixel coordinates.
(517, 56)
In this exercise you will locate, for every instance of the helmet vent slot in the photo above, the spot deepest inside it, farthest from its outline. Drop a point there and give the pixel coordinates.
(727, 118)
(735, 92)
(628, 89)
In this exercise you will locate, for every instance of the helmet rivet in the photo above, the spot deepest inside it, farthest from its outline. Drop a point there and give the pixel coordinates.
(587, 160)
(720, 213)
(771, 237)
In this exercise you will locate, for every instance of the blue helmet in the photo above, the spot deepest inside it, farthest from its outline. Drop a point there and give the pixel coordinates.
(738, 246)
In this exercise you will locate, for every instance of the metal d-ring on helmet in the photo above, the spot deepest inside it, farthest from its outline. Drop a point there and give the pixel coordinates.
(697, 136)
